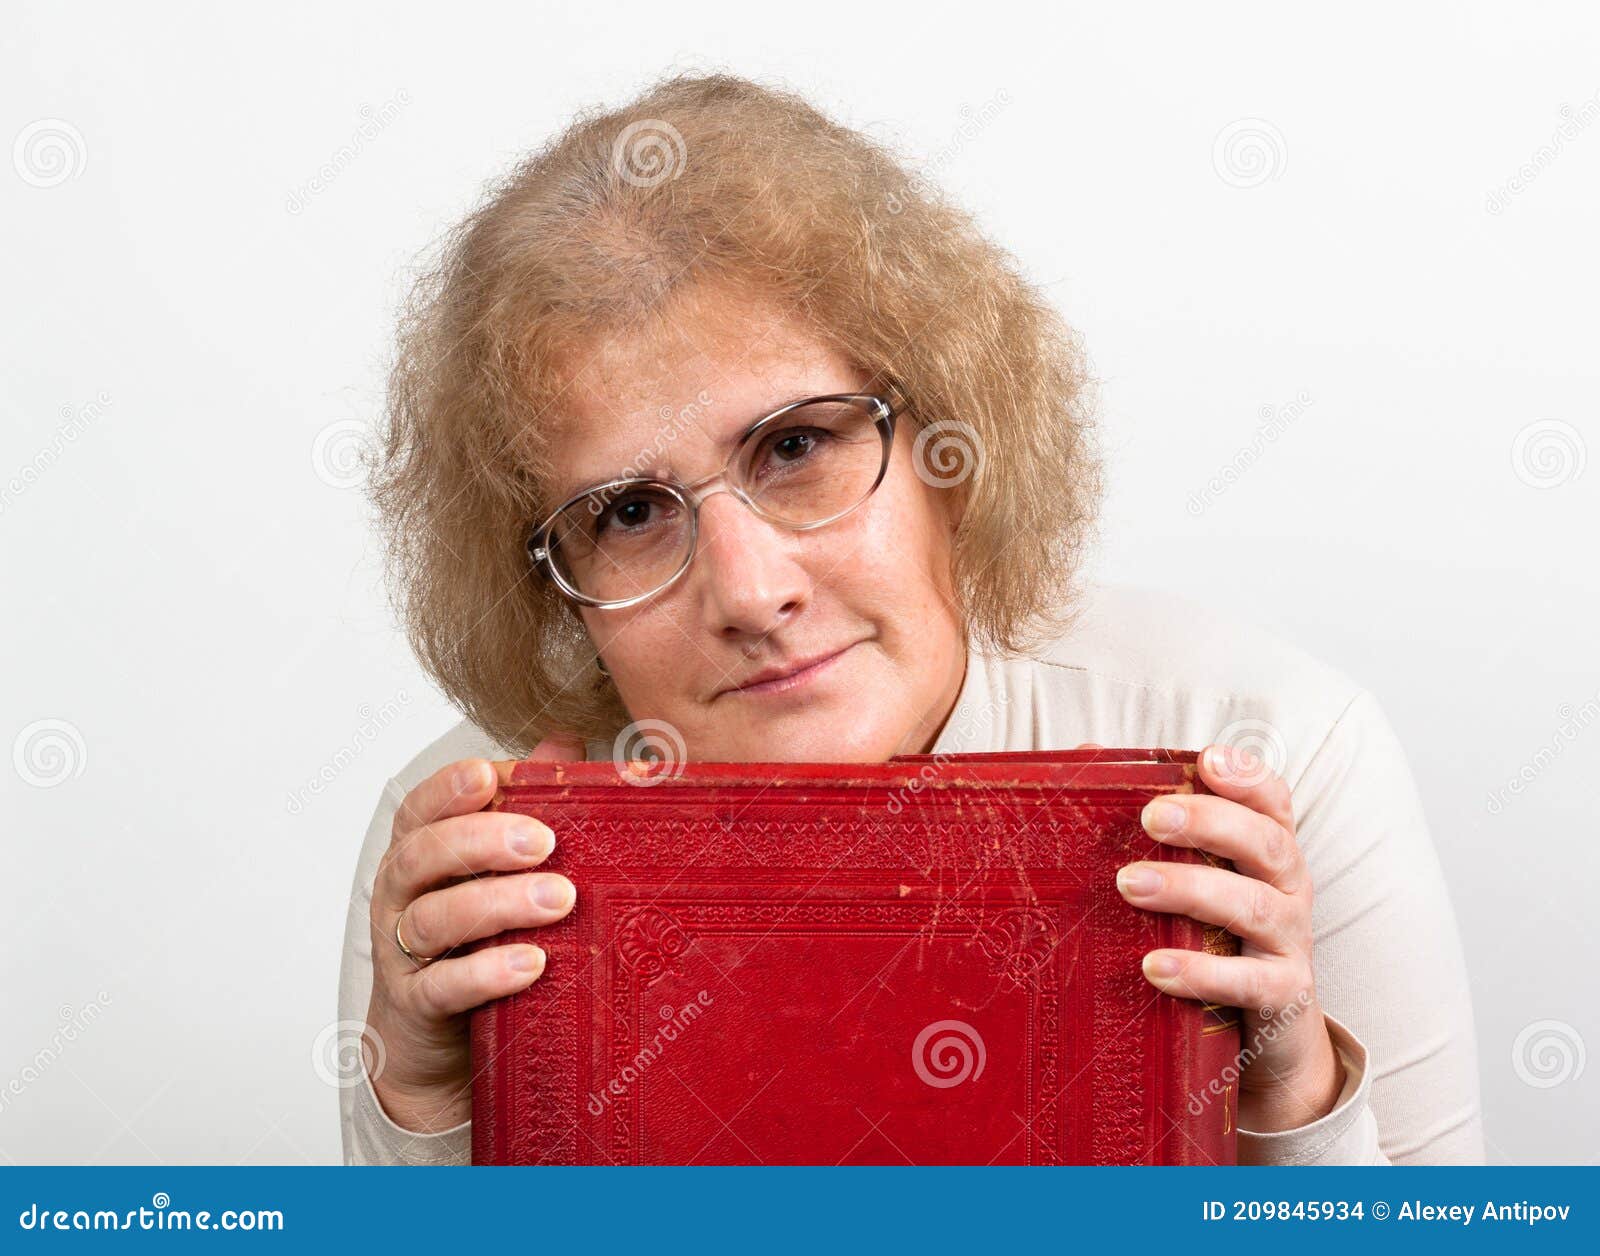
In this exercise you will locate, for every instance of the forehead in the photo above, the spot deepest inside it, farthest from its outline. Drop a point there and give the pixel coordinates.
(671, 399)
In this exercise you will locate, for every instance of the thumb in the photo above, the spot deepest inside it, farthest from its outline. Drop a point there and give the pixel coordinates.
(559, 746)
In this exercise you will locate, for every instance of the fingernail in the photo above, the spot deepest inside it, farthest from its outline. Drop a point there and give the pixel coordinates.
(554, 893)
(525, 959)
(1138, 879)
(1162, 819)
(1216, 760)
(1157, 964)
(466, 780)
(533, 839)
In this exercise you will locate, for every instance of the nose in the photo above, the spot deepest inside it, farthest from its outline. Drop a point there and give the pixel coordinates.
(749, 579)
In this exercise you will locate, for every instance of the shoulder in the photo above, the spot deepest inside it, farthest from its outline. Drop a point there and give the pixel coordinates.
(1152, 638)
(1145, 667)
(465, 740)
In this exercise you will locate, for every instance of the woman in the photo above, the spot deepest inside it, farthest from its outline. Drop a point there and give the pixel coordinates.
(713, 420)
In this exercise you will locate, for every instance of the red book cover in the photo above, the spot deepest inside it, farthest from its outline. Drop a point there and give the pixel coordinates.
(920, 961)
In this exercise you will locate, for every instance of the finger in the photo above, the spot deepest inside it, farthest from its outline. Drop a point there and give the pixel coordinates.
(1089, 745)
(559, 746)
(442, 919)
(453, 790)
(1257, 913)
(1258, 845)
(463, 982)
(1246, 778)
(461, 846)
(1227, 980)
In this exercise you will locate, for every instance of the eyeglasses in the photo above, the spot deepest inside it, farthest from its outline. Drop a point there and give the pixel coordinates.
(802, 466)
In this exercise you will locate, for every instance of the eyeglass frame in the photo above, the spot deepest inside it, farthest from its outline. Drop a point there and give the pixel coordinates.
(885, 412)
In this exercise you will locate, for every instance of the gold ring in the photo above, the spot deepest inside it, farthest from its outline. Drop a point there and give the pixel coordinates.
(405, 950)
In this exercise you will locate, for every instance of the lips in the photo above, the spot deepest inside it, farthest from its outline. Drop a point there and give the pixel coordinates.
(782, 676)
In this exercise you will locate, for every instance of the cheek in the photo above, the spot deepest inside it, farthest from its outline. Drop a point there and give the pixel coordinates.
(908, 532)
(895, 564)
(630, 640)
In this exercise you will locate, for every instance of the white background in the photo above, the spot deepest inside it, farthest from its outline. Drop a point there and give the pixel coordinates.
(193, 305)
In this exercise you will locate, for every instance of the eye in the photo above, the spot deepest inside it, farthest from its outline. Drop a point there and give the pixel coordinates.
(795, 444)
(641, 514)
(630, 512)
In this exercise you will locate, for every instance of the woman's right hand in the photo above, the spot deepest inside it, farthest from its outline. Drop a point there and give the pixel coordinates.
(430, 882)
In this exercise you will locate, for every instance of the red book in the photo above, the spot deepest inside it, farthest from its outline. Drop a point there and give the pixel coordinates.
(925, 960)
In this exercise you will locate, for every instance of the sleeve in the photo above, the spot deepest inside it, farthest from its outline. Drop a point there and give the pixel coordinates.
(369, 1136)
(1346, 1135)
(1391, 977)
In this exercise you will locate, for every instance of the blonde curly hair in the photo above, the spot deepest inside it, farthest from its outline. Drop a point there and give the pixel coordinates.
(708, 178)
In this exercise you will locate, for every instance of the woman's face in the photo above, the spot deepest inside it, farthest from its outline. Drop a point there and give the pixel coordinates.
(871, 589)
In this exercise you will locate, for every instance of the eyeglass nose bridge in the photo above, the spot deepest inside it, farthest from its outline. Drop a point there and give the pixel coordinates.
(717, 482)
(697, 493)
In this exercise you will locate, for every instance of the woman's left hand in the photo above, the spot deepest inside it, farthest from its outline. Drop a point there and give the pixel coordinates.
(1295, 1075)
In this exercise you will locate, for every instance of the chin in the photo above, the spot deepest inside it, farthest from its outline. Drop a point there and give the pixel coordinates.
(815, 736)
